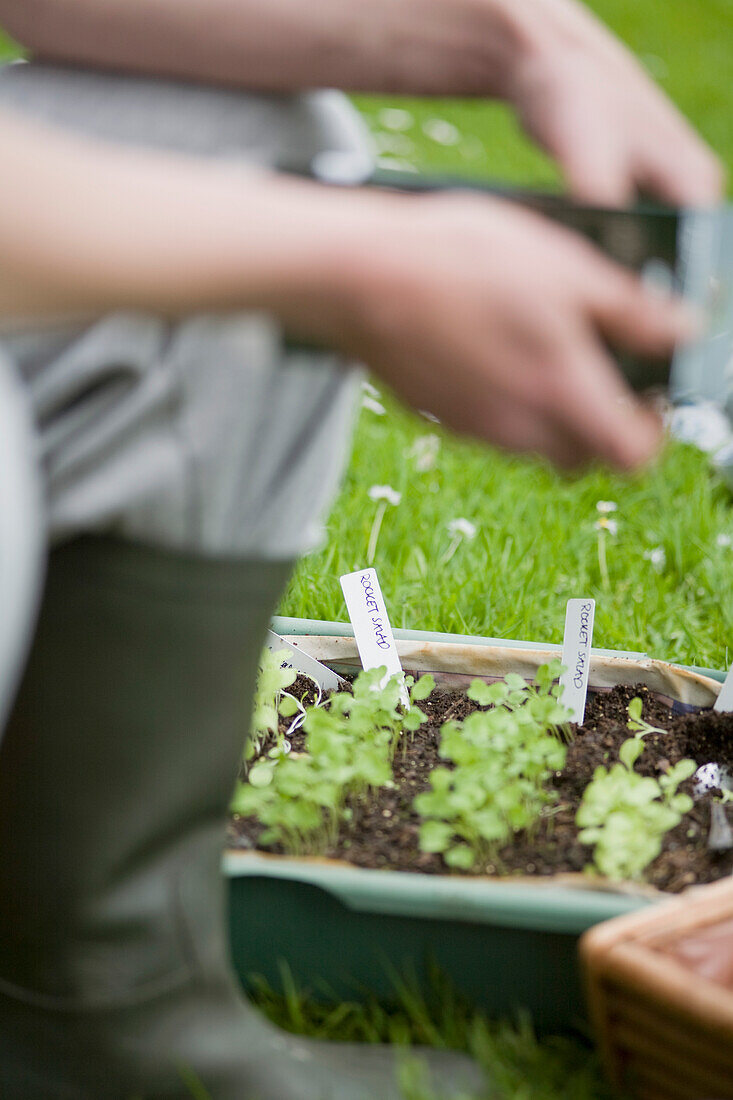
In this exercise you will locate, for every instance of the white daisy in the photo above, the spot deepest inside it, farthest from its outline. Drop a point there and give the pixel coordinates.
(425, 452)
(462, 527)
(395, 164)
(385, 492)
(657, 556)
(396, 145)
(395, 118)
(459, 529)
(442, 132)
(383, 495)
(372, 405)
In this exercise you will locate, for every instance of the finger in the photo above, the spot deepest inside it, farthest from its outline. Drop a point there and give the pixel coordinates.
(589, 153)
(531, 431)
(638, 319)
(594, 404)
(674, 162)
(696, 179)
(594, 168)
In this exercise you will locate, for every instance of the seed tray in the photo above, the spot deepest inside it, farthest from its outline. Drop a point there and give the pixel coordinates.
(507, 944)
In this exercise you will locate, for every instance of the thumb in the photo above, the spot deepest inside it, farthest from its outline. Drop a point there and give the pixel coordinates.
(638, 319)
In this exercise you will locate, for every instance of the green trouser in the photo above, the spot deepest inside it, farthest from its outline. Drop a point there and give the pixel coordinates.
(115, 773)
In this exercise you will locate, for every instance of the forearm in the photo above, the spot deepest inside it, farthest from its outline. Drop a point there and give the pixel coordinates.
(85, 228)
(414, 46)
(481, 312)
(576, 90)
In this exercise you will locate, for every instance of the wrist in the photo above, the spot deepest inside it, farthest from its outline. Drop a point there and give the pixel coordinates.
(314, 259)
(439, 47)
(549, 36)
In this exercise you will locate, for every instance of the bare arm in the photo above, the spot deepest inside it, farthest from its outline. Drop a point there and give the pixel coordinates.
(489, 316)
(86, 227)
(418, 46)
(578, 92)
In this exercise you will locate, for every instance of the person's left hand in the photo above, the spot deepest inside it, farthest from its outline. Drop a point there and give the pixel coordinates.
(587, 101)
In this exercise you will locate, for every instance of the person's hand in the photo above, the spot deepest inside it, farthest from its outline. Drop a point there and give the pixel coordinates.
(490, 316)
(577, 90)
(587, 101)
(495, 320)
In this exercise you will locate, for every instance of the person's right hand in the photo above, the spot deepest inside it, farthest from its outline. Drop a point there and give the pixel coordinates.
(490, 316)
(496, 320)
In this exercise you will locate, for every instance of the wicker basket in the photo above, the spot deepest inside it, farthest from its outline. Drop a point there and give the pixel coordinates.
(660, 992)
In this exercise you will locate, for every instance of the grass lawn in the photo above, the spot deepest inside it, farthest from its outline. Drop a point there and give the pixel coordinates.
(517, 1064)
(536, 543)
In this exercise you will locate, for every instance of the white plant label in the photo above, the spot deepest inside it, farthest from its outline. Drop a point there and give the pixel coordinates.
(304, 663)
(576, 646)
(369, 618)
(725, 699)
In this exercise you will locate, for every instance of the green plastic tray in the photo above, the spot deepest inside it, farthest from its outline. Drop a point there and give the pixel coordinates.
(508, 946)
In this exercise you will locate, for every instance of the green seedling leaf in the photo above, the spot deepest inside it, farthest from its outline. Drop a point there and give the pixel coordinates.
(492, 825)
(546, 677)
(504, 759)
(435, 836)
(350, 739)
(630, 752)
(680, 804)
(272, 678)
(261, 774)
(515, 682)
(423, 688)
(634, 709)
(637, 723)
(461, 857)
(677, 774)
(413, 719)
(441, 779)
(625, 816)
(288, 706)
(486, 695)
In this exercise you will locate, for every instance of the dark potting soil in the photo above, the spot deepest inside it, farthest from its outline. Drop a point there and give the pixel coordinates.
(383, 830)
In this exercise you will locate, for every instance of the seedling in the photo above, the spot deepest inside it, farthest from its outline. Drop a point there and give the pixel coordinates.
(273, 678)
(543, 697)
(625, 816)
(350, 741)
(292, 707)
(495, 779)
(503, 760)
(636, 723)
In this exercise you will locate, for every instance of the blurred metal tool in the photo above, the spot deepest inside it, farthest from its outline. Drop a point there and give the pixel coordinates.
(710, 777)
(303, 662)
